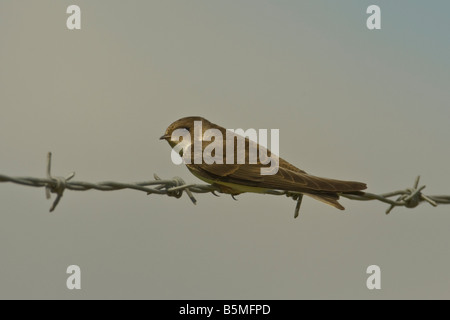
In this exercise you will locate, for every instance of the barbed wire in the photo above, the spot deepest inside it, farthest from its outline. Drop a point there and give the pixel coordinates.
(175, 187)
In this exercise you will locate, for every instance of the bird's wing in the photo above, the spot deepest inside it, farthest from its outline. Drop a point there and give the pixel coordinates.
(288, 177)
(284, 179)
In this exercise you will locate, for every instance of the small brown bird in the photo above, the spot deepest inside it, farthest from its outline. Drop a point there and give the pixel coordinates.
(239, 178)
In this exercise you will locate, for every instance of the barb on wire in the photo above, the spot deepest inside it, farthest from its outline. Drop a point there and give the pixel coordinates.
(59, 183)
(175, 187)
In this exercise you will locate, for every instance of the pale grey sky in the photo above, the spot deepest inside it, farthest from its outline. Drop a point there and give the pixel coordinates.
(350, 103)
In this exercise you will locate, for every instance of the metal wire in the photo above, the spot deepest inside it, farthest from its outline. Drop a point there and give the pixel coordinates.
(175, 187)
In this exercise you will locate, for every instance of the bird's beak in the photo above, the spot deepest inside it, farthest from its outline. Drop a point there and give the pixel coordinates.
(164, 137)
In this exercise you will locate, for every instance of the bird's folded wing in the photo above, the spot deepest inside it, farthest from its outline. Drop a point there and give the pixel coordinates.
(284, 179)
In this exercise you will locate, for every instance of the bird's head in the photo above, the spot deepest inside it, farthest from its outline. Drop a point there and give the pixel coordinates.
(183, 126)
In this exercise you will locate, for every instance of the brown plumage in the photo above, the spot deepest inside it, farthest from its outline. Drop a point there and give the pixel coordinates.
(237, 178)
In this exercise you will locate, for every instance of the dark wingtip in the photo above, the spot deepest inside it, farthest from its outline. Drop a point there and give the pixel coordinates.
(355, 186)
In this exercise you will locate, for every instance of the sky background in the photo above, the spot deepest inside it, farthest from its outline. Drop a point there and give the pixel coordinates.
(350, 103)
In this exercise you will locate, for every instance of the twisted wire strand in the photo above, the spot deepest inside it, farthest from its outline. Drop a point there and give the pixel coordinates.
(175, 187)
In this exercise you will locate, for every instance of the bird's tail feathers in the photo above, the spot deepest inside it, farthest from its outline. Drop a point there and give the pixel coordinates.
(328, 198)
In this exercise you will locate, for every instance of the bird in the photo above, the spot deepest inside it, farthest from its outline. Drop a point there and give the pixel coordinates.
(236, 178)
